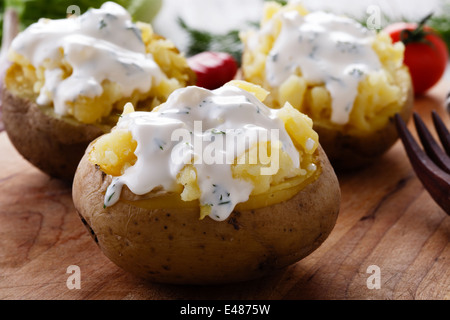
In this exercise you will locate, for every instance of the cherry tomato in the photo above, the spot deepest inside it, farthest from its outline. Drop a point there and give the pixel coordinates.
(213, 69)
(426, 54)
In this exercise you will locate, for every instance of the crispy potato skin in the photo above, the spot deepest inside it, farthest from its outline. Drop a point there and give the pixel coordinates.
(350, 152)
(52, 144)
(175, 246)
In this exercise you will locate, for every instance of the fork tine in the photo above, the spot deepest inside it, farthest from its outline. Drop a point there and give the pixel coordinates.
(442, 131)
(436, 181)
(430, 145)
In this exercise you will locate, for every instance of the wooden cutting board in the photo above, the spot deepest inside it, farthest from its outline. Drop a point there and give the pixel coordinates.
(387, 220)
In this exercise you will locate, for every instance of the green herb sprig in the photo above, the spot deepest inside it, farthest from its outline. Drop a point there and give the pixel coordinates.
(229, 42)
(202, 40)
(441, 23)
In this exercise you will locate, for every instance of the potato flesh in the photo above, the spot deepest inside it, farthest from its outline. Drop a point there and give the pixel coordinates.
(23, 79)
(380, 95)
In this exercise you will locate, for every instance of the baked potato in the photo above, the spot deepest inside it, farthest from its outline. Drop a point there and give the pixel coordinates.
(347, 79)
(174, 234)
(69, 79)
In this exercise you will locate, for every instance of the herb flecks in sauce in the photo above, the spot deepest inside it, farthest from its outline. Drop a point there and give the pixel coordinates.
(102, 24)
(215, 118)
(331, 50)
(98, 47)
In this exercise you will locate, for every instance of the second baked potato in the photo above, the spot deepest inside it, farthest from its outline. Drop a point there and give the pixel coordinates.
(70, 78)
(350, 80)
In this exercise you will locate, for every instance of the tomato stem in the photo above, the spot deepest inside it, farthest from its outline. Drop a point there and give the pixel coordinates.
(417, 35)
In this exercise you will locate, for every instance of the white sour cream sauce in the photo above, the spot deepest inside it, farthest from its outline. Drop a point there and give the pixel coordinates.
(102, 44)
(209, 117)
(328, 49)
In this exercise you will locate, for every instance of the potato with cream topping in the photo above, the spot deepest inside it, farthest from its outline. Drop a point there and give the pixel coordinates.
(69, 79)
(210, 187)
(347, 79)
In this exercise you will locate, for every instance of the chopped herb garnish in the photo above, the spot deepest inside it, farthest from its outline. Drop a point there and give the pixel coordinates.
(215, 131)
(357, 73)
(131, 68)
(337, 80)
(225, 202)
(281, 2)
(160, 143)
(312, 54)
(110, 16)
(102, 24)
(136, 32)
(110, 197)
(274, 57)
(347, 47)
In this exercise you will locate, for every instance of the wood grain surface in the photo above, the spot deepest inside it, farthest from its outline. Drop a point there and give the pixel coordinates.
(387, 220)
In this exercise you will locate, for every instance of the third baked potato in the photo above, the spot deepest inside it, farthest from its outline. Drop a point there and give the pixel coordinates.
(350, 80)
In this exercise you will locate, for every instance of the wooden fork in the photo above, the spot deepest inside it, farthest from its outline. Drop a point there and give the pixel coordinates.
(432, 164)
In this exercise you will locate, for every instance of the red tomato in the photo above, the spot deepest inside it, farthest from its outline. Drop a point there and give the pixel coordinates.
(426, 54)
(213, 69)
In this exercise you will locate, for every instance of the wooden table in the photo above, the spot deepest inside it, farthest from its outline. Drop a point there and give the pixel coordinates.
(387, 220)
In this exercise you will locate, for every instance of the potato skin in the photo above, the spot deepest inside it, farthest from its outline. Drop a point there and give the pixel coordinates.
(350, 152)
(54, 145)
(175, 246)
